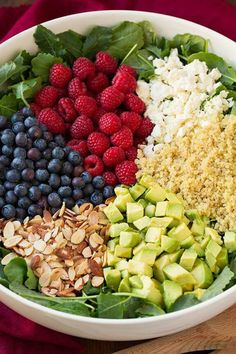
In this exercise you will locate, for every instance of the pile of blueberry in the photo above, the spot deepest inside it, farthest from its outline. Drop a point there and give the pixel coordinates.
(38, 171)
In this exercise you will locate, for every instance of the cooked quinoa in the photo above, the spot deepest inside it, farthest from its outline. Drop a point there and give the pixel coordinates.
(201, 167)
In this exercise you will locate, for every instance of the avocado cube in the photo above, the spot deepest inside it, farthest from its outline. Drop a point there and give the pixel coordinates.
(121, 201)
(156, 247)
(147, 181)
(211, 261)
(175, 257)
(143, 202)
(180, 275)
(171, 292)
(113, 213)
(146, 255)
(150, 210)
(139, 268)
(155, 194)
(158, 266)
(198, 249)
(205, 242)
(153, 234)
(129, 238)
(169, 244)
(188, 259)
(138, 248)
(222, 258)
(188, 242)
(105, 271)
(214, 235)
(121, 190)
(113, 278)
(136, 282)
(142, 223)
(185, 220)
(230, 240)
(180, 233)
(198, 293)
(116, 229)
(122, 265)
(112, 259)
(161, 208)
(134, 212)
(175, 211)
(124, 273)
(175, 223)
(161, 222)
(193, 214)
(137, 190)
(111, 244)
(149, 291)
(124, 252)
(172, 197)
(213, 248)
(202, 274)
(198, 227)
(124, 286)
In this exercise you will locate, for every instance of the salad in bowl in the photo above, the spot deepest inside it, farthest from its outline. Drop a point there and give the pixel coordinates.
(117, 171)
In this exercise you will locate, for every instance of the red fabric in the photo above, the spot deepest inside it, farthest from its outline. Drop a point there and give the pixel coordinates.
(18, 335)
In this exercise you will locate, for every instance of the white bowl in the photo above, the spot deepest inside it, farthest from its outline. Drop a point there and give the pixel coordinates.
(129, 329)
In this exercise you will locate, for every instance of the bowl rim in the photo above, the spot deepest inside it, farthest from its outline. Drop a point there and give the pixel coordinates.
(129, 321)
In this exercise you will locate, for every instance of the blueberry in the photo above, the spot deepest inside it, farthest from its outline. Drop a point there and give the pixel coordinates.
(20, 190)
(9, 185)
(18, 163)
(54, 200)
(77, 194)
(59, 140)
(67, 150)
(54, 181)
(2, 190)
(47, 136)
(43, 202)
(30, 122)
(27, 174)
(98, 182)
(29, 164)
(13, 176)
(88, 190)
(58, 153)
(8, 211)
(29, 144)
(20, 152)
(81, 201)
(69, 202)
(65, 191)
(34, 210)
(21, 214)
(17, 117)
(35, 132)
(78, 171)
(7, 150)
(52, 145)
(108, 192)
(26, 111)
(3, 122)
(45, 188)
(78, 182)
(24, 202)
(40, 144)
(67, 168)
(4, 160)
(10, 197)
(43, 127)
(2, 202)
(34, 154)
(65, 180)
(86, 176)
(42, 175)
(41, 164)
(54, 166)
(47, 154)
(34, 193)
(75, 158)
(8, 138)
(54, 210)
(18, 127)
(21, 139)
(96, 198)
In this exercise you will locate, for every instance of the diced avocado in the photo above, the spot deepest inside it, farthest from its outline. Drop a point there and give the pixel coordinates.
(180, 233)
(146, 255)
(139, 268)
(169, 244)
(172, 197)
(122, 265)
(188, 259)
(155, 246)
(175, 257)
(193, 214)
(139, 247)
(211, 261)
(214, 235)
(137, 190)
(155, 194)
(125, 252)
(105, 271)
(147, 181)
(136, 282)
(153, 234)
(185, 220)
(113, 278)
(142, 223)
(175, 211)
(143, 202)
(161, 208)
(230, 240)
(188, 242)
(125, 273)
(180, 275)
(115, 229)
(171, 292)
(121, 190)
(213, 248)
(134, 211)
(205, 242)
(113, 213)
(198, 249)
(129, 238)
(111, 244)
(197, 292)
(158, 266)
(149, 291)
(112, 259)
(121, 201)
(124, 286)
(150, 210)
(198, 227)
(222, 258)
(202, 274)
(161, 222)
(174, 223)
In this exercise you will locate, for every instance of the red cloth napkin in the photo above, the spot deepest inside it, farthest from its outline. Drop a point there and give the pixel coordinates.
(17, 334)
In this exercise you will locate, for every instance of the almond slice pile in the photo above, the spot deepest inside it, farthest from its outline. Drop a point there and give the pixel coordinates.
(65, 250)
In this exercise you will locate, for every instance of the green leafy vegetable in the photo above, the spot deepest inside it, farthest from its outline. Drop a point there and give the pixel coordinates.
(32, 281)
(72, 42)
(27, 89)
(42, 63)
(184, 302)
(16, 270)
(149, 35)
(110, 306)
(219, 284)
(48, 42)
(98, 39)
(149, 309)
(188, 44)
(3, 279)
(8, 105)
(139, 61)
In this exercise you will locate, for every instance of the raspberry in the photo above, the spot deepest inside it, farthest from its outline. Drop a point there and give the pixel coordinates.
(106, 63)
(52, 120)
(98, 83)
(109, 123)
(62, 92)
(134, 103)
(137, 141)
(110, 178)
(59, 75)
(123, 138)
(80, 146)
(81, 128)
(126, 171)
(111, 98)
(83, 68)
(131, 120)
(73, 142)
(124, 82)
(113, 156)
(35, 108)
(98, 143)
(145, 128)
(66, 109)
(100, 112)
(46, 97)
(94, 165)
(86, 105)
(127, 69)
(76, 88)
(131, 153)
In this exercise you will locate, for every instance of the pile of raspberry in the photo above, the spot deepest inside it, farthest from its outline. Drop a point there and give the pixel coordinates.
(95, 106)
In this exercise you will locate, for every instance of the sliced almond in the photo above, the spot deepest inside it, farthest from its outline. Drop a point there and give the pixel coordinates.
(9, 230)
(87, 253)
(36, 260)
(54, 264)
(67, 292)
(49, 292)
(82, 267)
(96, 269)
(12, 241)
(48, 250)
(97, 281)
(64, 253)
(45, 279)
(55, 231)
(93, 218)
(71, 273)
(81, 247)
(47, 216)
(56, 284)
(78, 236)
(62, 210)
(85, 278)
(40, 245)
(56, 274)
(24, 244)
(59, 237)
(8, 258)
(67, 232)
(47, 236)
(96, 238)
(69, 262)
(17, 224)
(79, 284)
(29, 250)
